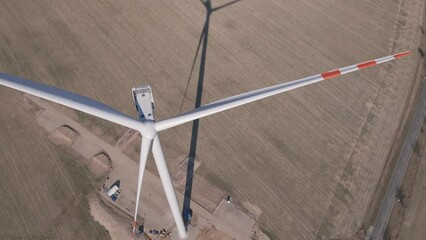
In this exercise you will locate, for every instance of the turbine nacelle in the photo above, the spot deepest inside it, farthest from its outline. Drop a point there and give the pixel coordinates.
(144, 103)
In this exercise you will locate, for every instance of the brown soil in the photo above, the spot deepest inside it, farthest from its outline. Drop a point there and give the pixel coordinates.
(314, 155)
(396, 147)
(99, 164)
(412, 178)
(112, 218)
(399, 211)
(45, 184)
(64, 135)
(209, 232)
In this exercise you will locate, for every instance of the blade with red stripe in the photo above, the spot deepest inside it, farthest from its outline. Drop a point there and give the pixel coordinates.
(340, 71)
(255, 95)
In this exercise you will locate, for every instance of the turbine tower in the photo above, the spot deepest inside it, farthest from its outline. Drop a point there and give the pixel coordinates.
(149, 127)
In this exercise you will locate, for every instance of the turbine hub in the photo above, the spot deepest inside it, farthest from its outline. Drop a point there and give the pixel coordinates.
(148, 129)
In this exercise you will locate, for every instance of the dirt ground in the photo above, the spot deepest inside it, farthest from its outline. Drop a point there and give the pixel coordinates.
(111, 218)
(43, 187)
(396, 146)
(212, 233)
(409, 214)
(410, 194)
(310, 160)
(411, 211)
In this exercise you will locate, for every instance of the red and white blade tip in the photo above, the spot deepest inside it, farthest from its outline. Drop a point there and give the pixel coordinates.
(348, 69)
(402, 54)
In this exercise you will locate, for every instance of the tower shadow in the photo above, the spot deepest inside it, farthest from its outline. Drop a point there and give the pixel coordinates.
(202, 43)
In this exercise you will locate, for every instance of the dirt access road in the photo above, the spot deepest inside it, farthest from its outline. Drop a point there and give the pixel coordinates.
(399, 171)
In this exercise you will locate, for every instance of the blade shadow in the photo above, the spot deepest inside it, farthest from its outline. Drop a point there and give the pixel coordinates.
(203, 44)
(225, 5)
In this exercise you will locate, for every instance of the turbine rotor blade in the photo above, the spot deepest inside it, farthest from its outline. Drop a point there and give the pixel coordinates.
(163, 171)
(69, 99)
(255, 95)
(145, 145)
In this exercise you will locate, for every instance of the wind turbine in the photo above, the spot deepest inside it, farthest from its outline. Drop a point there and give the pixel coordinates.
(149, 128)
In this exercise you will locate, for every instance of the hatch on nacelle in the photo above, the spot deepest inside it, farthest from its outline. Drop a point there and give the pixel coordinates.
(144, 102)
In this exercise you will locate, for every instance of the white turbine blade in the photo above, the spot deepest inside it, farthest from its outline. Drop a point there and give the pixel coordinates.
(248, 97)
(69, 99)
(163, 171)
(145, 145)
